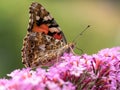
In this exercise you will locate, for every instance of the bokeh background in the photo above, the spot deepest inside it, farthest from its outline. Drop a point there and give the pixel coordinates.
(72, 15)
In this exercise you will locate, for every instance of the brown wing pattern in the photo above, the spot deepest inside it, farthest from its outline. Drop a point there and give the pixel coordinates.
(44, 41)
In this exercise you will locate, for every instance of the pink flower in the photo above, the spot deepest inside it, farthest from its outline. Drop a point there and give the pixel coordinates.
(99, 71)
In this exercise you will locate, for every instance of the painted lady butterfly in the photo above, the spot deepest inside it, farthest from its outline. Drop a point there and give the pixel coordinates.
(44, 42)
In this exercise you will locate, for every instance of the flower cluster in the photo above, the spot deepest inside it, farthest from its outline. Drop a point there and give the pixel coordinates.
(99, 71)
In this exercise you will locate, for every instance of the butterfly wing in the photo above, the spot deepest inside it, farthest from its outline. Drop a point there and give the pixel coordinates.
(42, 21)
(43, 40)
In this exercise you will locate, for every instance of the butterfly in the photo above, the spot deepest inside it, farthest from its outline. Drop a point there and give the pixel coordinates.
(45, 42)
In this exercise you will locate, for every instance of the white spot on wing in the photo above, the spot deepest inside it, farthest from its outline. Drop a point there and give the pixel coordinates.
(45, 18)
(33, 34)
(48, 38)
(32, 7)
(36, 4)
(42, 8)
(37, 17)
(42, 47)
(59, 28)
(49, 17)
(53, 29)
(56, 41)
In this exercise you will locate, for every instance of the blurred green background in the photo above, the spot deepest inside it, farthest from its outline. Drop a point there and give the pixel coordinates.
(72, 16)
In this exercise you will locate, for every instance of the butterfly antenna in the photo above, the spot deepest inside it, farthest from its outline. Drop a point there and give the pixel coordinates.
(81, 33)
(79, 50)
